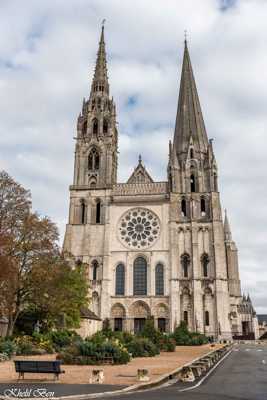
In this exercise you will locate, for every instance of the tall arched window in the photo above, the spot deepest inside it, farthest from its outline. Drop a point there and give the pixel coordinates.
(185, 261)
(83, 212)
(120, 280)
(93, 160)
(84, 131)
(207, 318)
(105, 126)
(203, 206)
(191, 153)
(183, 207)
(192, 183)
(186, 317)
(95, 268)
(98, 212)
(159, 280)
(140, 277)
(205, 265)
(95, 126)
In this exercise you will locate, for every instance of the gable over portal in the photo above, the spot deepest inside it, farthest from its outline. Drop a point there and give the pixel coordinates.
(140, 174)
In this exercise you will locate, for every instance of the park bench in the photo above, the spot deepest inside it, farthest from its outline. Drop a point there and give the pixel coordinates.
(38, 367)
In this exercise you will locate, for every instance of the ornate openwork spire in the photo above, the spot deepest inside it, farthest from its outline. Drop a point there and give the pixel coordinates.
(189, 119)
(100, 80)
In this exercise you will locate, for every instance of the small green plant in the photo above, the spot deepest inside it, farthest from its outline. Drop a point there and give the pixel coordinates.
(7, 347)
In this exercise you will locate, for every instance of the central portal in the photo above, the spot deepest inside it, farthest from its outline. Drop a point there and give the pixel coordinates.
(139, 324)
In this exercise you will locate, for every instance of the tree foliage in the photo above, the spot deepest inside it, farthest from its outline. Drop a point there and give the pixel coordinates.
(32, 272)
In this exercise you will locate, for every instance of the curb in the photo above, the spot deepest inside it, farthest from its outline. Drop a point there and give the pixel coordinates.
(139, 386)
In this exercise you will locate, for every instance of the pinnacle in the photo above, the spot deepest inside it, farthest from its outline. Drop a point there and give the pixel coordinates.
(227, 229)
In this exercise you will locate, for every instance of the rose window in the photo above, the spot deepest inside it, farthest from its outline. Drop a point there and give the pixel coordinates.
(139, 228)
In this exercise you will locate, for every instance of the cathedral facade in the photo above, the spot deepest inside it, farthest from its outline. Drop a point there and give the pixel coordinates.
(153, 249)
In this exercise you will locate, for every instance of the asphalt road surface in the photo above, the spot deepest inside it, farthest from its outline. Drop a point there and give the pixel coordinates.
(241, 376)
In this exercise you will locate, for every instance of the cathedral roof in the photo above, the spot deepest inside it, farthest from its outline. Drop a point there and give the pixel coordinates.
(86, 313)
(189, 120)
(140, 174)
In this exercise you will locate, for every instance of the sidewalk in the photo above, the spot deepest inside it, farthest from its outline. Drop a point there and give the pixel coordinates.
(122, 375)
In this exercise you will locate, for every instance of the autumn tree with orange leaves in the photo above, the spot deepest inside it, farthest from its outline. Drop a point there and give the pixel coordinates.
(33, 274)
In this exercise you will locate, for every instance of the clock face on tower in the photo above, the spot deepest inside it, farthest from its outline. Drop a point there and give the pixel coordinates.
(139, 228)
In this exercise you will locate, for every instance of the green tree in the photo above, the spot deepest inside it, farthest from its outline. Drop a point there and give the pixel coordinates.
(57, 289)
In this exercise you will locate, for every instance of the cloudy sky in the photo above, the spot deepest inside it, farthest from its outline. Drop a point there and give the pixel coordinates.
(47, 55)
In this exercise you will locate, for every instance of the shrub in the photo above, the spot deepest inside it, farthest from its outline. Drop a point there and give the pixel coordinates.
(63, 338)
(44, 342)
(25, 345)
(167, 343)
(90, 352)
(142, 347)
(183, 337)
(150, 332)
(4, 357)
(98, 337)
(7, 347)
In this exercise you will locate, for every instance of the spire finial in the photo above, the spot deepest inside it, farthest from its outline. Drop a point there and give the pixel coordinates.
(103, 26)
(185, 37)
(140, 159)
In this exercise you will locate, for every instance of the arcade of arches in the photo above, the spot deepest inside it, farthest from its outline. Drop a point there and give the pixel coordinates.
(133, 318)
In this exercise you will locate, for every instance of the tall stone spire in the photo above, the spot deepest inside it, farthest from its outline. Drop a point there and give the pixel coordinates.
(189, 120)
(97, 144)
(227, 229)
(100, 79)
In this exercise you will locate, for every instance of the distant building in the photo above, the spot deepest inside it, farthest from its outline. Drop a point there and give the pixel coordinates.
(154, 249)
(262, 318)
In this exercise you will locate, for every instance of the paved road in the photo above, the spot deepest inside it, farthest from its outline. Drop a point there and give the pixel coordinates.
(241, 376)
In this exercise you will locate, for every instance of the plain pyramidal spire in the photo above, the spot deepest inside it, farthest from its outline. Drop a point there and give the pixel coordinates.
(189, 120)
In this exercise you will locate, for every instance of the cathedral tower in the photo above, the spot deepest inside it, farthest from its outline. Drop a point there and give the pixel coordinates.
(200, 276)
(96, 130)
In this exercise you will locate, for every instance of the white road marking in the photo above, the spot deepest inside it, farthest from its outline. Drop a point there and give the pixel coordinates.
(259, 350)
(247, 349)
(263, 362)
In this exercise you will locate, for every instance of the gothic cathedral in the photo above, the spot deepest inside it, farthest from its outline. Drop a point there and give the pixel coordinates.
(153, 249)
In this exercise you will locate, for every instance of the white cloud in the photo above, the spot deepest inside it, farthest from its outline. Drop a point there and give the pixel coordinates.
(47, 55)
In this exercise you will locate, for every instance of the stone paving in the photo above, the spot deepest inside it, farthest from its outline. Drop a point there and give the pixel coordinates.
(114, 374)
